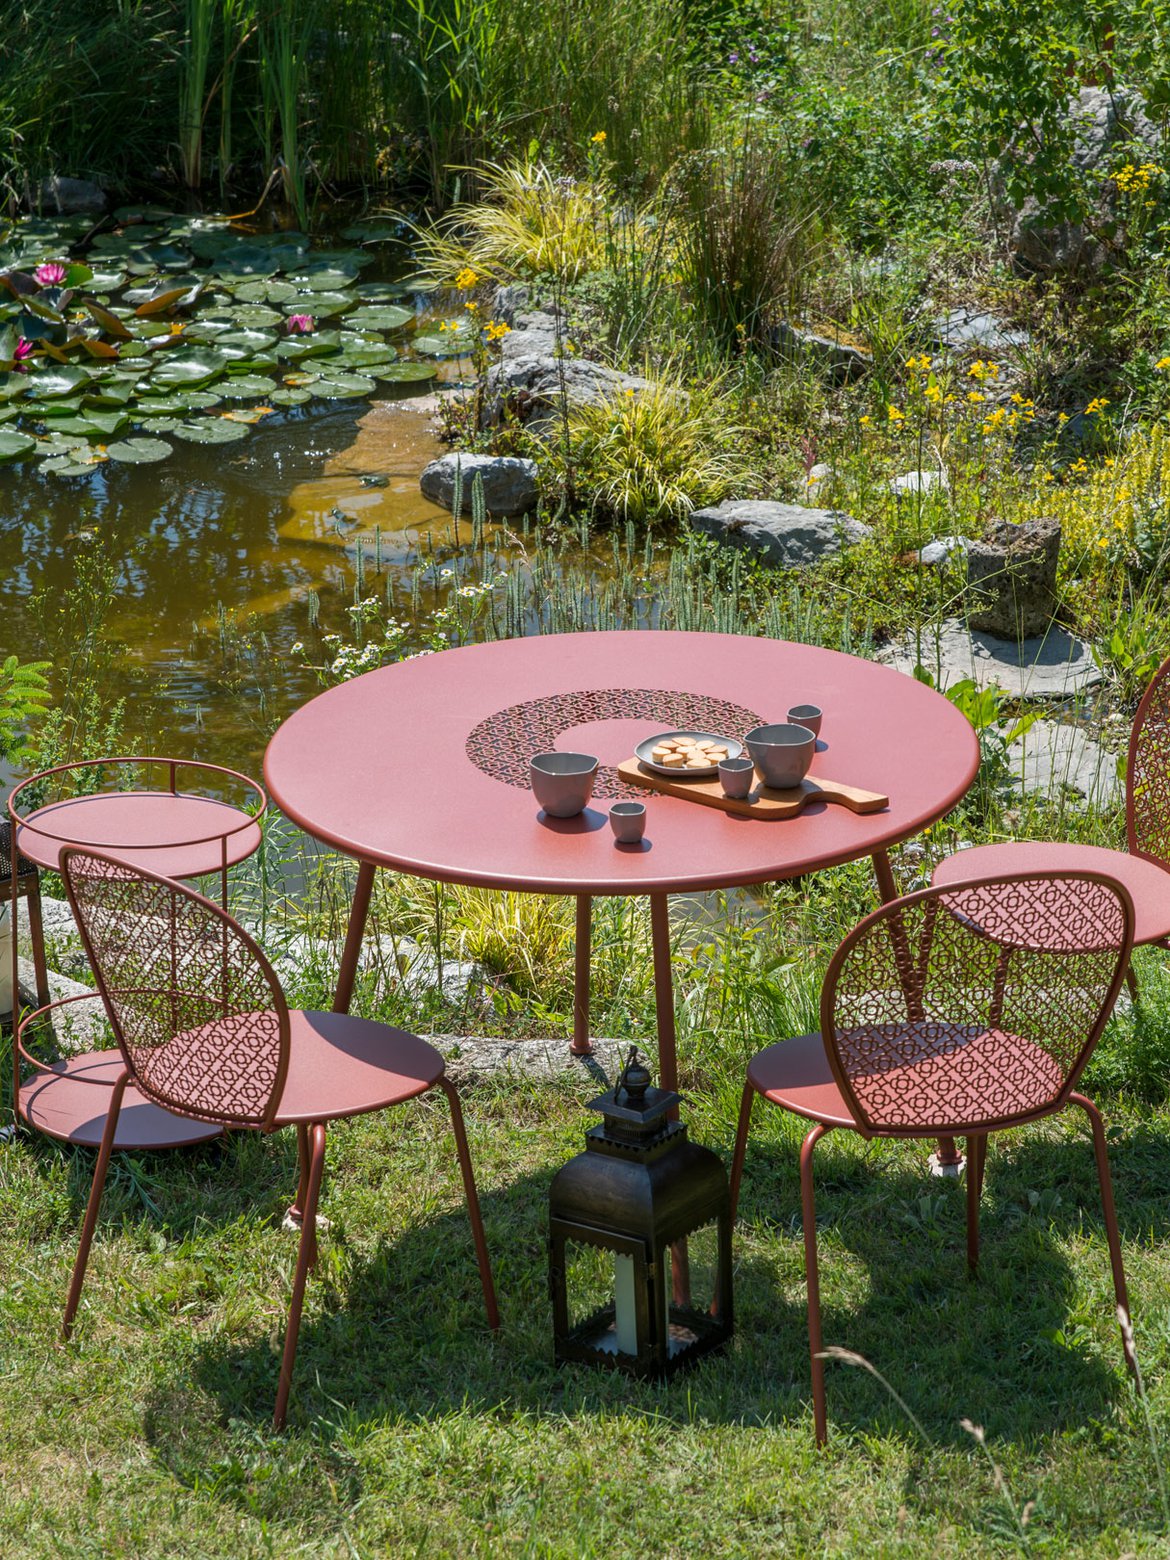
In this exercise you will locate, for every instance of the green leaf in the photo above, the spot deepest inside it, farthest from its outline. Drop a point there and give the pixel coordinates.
(211, 430)
(57, 381)
(379, 317)
(139, 452)
(189, 367)
(14, 445)
(246, 387)
(342, 387)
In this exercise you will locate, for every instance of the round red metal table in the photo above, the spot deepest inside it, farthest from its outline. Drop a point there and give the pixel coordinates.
(423, 767)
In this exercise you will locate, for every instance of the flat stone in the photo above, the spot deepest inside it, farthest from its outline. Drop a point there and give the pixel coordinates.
(471, 1057)
(911, 482)
(62, 197)
(533, 387)
(788, 536)
(509, 482)
(974, 330)
(843, 362)
(82, 1026)
(1053, 665)
(1054, 756)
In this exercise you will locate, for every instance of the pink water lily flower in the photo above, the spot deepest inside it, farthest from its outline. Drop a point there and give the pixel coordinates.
(24, 349)
(299, 324)
(51, 274)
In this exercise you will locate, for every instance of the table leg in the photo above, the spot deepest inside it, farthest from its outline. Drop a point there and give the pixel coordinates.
(946, 1159)
(581, 1045)
(680, 1266)
(359, 910)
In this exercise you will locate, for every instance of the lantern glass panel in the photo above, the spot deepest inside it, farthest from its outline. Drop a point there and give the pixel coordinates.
(702, 1272)
(601, 1286)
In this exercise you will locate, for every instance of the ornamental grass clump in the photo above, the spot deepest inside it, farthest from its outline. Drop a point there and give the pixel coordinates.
(529, 223)
(654, 454)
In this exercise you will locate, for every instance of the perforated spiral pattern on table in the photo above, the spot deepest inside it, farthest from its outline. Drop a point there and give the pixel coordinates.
(502, 744)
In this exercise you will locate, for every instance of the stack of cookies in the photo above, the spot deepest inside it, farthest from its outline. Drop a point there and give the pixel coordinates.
(689, 753)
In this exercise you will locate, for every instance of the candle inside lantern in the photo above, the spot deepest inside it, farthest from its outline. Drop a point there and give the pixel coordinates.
(624, 1304)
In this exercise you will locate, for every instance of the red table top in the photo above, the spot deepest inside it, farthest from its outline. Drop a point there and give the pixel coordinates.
(423, 766)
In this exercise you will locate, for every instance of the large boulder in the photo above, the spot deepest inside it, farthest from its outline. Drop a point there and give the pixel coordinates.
(509, 483)
(535, 388)
(1011, 578)
(1107, 125)
(788, 536)
(64, 197)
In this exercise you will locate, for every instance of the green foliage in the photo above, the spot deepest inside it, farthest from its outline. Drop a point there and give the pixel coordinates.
(25, 697)
(653, 455)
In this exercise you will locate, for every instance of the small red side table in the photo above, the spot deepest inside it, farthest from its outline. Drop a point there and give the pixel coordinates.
(180, 833)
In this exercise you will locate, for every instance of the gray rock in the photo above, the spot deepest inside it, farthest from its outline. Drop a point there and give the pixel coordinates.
(786, 535)
(911, 482)
(943, 549)
(974, 330)
(533, 388)
(1011, 578)
(1105, 121)
(509, 482)
(510, 298)
(843, 362)
(1053, 757)
(535, 333)
(1050, 666)
(63, 197)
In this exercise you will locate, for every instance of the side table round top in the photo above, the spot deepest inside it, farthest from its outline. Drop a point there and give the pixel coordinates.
(176, 835)
(423, 766)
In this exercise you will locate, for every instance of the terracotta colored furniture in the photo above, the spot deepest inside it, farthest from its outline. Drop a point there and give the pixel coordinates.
(1145, 867)
(167, 827)
(204, 1031)
(954, 1012)
(423, 767)
(19, 876)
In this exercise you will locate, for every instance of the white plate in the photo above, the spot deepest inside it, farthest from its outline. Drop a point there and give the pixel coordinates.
(644, 750)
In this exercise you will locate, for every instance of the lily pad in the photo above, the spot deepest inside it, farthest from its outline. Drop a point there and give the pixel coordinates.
(198, 400)
(160, 405)
(308, 346)
(340, 387)
(14, 445)
(190, 367)
(320, 305)
(264, 291)
(290, 397)
(57, 381)
(256, 316)
(246, 387)
(328, 279)
(451, 343)
(384, 316)
(366, 353)
(236, 344)
(111, 392)
(404, 373)
(211, 430)
(384, 292)
(139, 452)
(247, 414)
(70, 465)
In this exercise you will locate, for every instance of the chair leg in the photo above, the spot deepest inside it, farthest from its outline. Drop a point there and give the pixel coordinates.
(975, 1147)
(812, 1280)
(36, 934)
(306, 1255)
(741, 1137)
(93, 1207)
(1109, 1211)
(481, 1250)
(982, 1165)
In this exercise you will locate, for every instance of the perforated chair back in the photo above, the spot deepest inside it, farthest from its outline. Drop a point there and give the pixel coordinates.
(197, 1009)
(1147, 775)
(974, 1006)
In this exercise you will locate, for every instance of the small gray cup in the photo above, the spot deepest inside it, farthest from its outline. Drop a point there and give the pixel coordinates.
(806, 715)
(562, 782)
(737, 776)
(628, 822)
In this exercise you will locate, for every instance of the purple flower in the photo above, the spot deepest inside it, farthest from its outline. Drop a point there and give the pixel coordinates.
(754, 57)
(733, 57)
(299, 324)
(936, 32)
(51, 274)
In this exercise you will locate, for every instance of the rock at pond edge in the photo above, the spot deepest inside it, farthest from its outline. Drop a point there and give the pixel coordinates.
(509, 482)
(788, 536)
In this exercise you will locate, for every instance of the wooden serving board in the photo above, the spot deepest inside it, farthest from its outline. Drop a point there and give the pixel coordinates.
(763, 801)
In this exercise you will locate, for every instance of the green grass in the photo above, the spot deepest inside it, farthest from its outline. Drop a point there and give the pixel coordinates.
(414, 1430)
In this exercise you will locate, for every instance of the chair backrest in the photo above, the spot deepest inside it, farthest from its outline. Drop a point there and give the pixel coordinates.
(975, 1005)
(1147, 775)
(197, 1009)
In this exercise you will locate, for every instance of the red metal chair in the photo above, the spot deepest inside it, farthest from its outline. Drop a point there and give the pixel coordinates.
(1144, 867)
(953, 1012)
(205, 1031)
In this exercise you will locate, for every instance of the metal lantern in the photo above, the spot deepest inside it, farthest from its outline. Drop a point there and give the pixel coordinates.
(621, 1214)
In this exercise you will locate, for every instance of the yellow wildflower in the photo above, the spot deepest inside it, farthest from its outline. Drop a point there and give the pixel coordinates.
(496, 329)
(598, 138)
(865, 421)
(471, 306)
(981, 371)
(466, 279)
(976, 395)
(914, 364)
(1097, 404)
(894, 414)
(1163, 363)
(933, 394)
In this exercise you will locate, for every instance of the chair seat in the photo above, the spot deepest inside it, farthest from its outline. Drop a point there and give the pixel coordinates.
(1148, 883)
(921, 1078)
(343, 1066)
